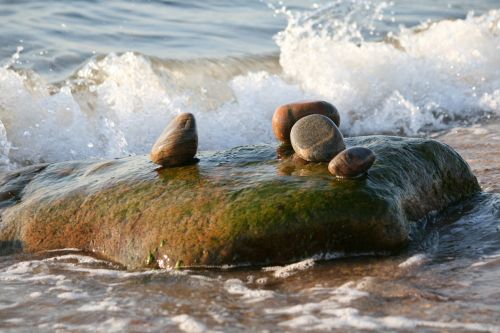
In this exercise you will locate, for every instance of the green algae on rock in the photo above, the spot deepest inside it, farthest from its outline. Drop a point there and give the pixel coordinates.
(240, 206)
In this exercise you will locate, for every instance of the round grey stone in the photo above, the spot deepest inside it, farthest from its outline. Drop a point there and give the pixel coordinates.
(316, 138)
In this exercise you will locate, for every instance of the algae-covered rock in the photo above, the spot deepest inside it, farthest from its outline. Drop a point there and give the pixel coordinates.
(237, 206)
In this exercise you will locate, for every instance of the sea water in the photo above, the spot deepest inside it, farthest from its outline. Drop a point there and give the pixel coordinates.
(101, 79)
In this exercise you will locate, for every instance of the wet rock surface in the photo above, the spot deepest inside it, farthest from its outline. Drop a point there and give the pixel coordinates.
(285, 116)
(316, 138)
(238, 206)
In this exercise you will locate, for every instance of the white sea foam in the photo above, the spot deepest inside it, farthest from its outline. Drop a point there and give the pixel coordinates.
(336, 312)
(108, 325)
(487, 260)
(15, 321)
(438, 75)
(426, 77)
(414, 260)
(337, 298)
(4, 305)
(80, 259)
(39, 271)
(107, 304)
(288, 270)
(238, 287)
(73, 295)
(351, 318)
(68, 249)
(188, 324)
(25, 269)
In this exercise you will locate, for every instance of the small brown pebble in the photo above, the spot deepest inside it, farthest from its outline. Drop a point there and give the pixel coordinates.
(352, 162)
(316, 138)
(178, 143)
(287, 115)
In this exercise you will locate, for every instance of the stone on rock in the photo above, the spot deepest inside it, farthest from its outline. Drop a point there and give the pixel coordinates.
(352, 162)
(178, 143)
(240, 206)
(287, 115)
(316, 138)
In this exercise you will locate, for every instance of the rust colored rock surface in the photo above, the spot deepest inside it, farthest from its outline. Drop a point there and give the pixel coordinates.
(178, 143)
(240, 206)
(316, 138)
(352, 162)
(287, 115)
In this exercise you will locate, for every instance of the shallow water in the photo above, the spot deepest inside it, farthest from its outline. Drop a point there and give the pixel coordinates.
(100, 79)
(449, 282)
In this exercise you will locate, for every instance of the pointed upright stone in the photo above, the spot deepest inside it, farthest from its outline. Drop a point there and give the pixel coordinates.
(178, 143)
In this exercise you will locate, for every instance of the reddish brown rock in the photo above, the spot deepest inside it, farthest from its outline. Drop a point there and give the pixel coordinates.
(287, 115)
(352, 162)
(178, 143)
(258, 210)
(316, 138)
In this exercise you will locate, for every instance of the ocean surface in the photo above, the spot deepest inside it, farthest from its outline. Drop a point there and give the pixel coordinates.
(102, 78)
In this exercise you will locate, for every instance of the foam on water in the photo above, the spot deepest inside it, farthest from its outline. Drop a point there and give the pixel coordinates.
(81, 259)
(109, 325)
(107, 304)
(437, 75)
(73, 295)
(413, 81)
(288, 270)
(172, 300)
(336, 312)
(39, 270)
(188, 324)
(337, 297)
(414, 260)
(237, 287)
(487, 260)
(416, 80)
(351, 318)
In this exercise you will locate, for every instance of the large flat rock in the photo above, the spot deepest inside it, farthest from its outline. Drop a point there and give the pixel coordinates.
(238, 206)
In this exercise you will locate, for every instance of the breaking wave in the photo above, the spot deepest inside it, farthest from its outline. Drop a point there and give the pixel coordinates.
(409, 82)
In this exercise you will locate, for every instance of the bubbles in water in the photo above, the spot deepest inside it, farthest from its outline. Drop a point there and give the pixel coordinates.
(4, 146)
(435, 76)
(409, 83)
(15, 57)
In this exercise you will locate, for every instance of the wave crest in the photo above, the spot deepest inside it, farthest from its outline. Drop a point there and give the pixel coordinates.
(435, 76)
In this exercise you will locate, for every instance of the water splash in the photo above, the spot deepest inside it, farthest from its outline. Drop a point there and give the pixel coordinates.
(426, 78)
(435, 76)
